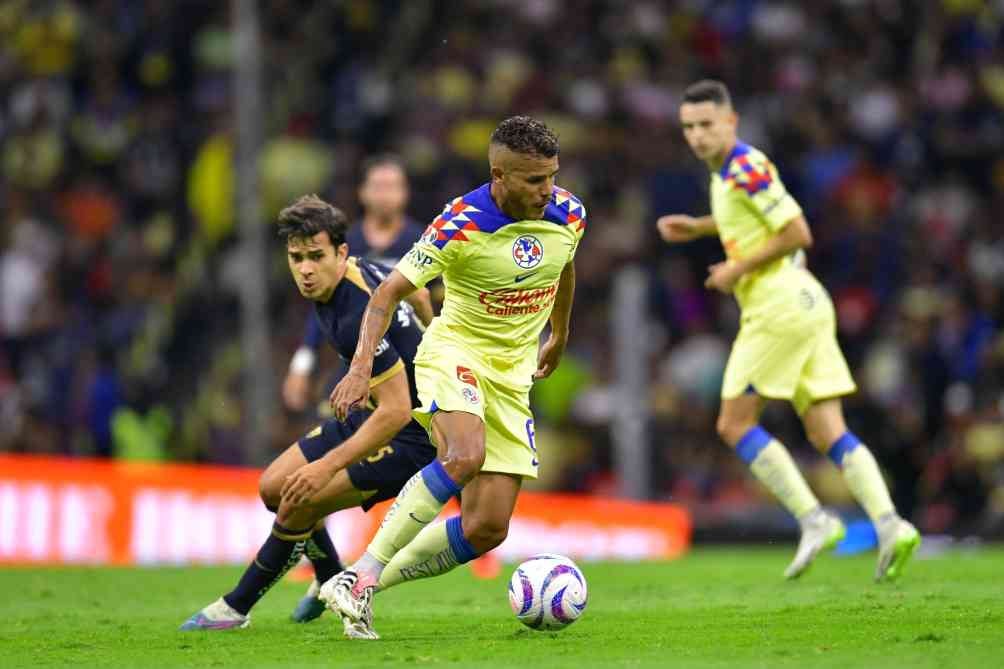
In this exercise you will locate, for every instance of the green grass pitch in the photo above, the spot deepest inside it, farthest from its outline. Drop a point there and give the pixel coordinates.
(714, 608)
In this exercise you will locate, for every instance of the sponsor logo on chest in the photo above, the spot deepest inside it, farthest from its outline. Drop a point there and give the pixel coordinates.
(516, 301)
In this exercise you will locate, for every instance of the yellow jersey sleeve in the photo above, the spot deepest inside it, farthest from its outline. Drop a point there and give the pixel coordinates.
(429, 257)
(768, 197)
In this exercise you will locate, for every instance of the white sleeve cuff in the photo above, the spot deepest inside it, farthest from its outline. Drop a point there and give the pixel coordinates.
(303, 361)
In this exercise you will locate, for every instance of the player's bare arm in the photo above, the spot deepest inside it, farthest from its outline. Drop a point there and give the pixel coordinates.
(793, 236)
(554, 347)
(393, 411)
(421, 302)
(353, 390)
(676, 228)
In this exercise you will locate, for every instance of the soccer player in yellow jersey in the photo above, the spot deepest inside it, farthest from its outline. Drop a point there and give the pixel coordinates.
(786, 347)
(505, 252)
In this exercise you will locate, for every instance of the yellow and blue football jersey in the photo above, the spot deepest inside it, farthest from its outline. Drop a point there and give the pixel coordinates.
(501, 277)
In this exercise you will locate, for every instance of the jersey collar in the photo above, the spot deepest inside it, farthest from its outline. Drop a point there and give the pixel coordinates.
(740, 149)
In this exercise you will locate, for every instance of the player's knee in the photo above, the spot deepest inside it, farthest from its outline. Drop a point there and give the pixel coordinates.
(464, 458)
(270, 489)
(730, 430)
(818, 438)
(296, 515)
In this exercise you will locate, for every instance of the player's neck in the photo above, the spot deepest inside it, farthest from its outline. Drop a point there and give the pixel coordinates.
(384, 224)
(501, 204)
(381, 231)
(715, 164)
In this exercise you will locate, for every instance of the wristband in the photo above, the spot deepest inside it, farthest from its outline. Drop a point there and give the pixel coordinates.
(303, 361)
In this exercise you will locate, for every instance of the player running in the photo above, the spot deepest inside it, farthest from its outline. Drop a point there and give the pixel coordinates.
(787, 346)
(506, 255)
(359, 461)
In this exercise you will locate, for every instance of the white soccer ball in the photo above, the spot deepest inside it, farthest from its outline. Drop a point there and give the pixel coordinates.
(547, 592)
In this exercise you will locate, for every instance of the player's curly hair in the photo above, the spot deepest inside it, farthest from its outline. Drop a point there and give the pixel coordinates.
(310, 215)
(523, 134)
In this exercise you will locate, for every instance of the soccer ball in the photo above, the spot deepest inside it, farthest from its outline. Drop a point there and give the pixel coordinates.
(547, 592)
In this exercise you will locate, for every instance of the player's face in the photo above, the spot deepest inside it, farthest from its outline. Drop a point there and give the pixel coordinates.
(524, 183)
(384, 193)
(317, 266)
(709, 128)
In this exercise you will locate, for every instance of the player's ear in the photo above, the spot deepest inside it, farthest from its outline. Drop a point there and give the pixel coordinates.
(342, 252)
(497, 173)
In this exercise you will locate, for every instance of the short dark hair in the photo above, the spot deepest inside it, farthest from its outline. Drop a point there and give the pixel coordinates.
(708, 90)
(310, 215)
(523, 134)
(382, 160)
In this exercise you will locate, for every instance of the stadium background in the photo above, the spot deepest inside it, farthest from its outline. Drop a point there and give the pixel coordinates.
(121, 266)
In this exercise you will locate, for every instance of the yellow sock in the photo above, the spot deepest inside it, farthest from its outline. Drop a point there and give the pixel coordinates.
(774, 468)
(419, 502)
(436, 550)
(863, 476)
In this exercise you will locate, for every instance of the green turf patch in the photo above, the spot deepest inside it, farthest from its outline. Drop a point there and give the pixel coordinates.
(715, 608)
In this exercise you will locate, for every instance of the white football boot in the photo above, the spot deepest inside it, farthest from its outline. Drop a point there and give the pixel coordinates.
(821, 530)
(360, 629)
(310, 606)
(354, 608)
(217, 616)
(898, 540)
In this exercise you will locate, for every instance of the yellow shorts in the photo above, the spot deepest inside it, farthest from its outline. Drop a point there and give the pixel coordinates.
(450, 380)
(791, 356)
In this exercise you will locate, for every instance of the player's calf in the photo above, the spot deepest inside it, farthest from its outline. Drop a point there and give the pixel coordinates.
(485, 532)
(280, 553)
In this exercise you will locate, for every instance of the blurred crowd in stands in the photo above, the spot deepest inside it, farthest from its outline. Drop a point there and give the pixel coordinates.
(119, 318)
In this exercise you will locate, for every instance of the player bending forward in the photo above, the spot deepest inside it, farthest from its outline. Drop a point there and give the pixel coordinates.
(787, 346)
(505, 252)
(340, 464)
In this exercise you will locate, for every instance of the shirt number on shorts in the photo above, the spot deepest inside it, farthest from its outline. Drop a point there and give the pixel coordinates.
(381, 454)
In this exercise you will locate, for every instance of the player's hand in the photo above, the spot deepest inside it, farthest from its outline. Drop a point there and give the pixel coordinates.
(305, 482)
(350, 393)
(550, 356)
(722, 277)
(678, 228)
(296, 391)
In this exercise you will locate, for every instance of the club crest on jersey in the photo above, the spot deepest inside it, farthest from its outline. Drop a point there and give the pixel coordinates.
(470, 394)
(527, 251)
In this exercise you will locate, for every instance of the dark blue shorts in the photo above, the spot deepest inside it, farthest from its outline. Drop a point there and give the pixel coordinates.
(387, 470)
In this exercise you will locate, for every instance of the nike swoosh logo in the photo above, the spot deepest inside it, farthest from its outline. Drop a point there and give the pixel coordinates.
(418, 520)
(523, 277)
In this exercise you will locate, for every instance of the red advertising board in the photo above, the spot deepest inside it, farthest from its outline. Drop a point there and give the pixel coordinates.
(78, 511)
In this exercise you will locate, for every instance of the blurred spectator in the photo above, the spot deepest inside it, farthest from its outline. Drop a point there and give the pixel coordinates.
(118, 315)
